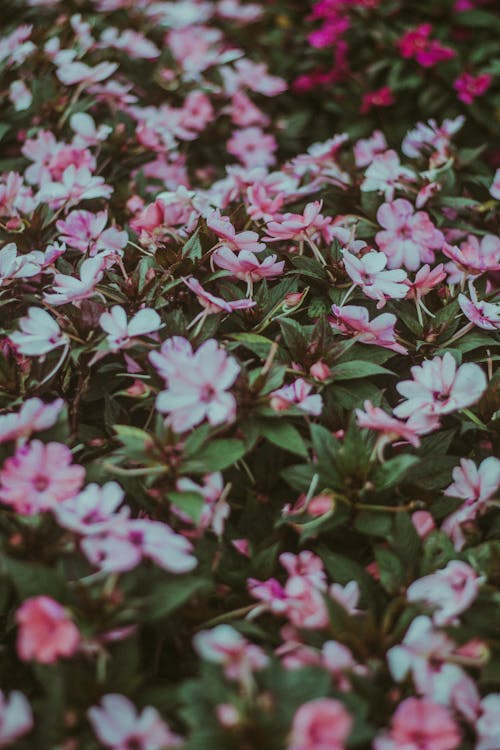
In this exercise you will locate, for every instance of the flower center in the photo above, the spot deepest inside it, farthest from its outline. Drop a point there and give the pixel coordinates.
(40, 483)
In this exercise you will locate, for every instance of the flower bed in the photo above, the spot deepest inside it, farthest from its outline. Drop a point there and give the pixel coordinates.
(249, 269)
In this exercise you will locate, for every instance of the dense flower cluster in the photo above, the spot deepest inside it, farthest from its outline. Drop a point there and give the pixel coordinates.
(248, 397)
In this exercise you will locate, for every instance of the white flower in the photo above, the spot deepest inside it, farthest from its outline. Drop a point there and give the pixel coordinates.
(120, 332)
(39, 334)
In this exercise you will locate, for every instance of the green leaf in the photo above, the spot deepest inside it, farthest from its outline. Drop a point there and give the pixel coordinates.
(32, 579)
(192, 503)
(392, 472)
(192, 248)
(392, 573)
(217, 455)
(358, 369)
(284, 435)
(167, 596)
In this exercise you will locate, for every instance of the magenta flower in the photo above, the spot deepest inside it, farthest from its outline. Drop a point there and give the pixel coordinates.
(16, 717)
(409, 238)
(45, 631)
(367, 271)
(416, 43)
(297, 394)
(420, 724)
(382, 97)
(353, 320)
(320, 724)
(197, 383)
(39, 476)
(449, 591)
(469, 87)
(439, 387)
(119, 726)
(224, 645)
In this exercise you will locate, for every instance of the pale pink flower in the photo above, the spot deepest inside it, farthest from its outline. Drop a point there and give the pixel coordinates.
(426, 192)
(14, 266)
(385, 174)
(487, 725)
(367, 148)
(495, 186)
(39, 334)
(298, 226)
(72, 289)
(224, 229)
(135, 44)
(320, 724)
(45, 632)
(214, 513)
(247, 267)
(119, 726)
(86, 232)
(449, 591)
(367, 272)
(375, 418)
(20, 96)
(306, 565)
(33, 416)
(439, 387)
(86, 132)
(198, 389)
(426, 279)
(423, 522)
(347, 596)
(304, 604)
(473, 257)
(224, 645)
(252, 75)
(71, 73)
(39, 476)
(429, 136)
(76, 184)
(263, 202)
(121, 333)
(16, 717)
(253, 147)
(213, 304)
(483, 314)
(297, 394)
(420, 724)
(93, 510)
(409, 238)
(353, 320)
(243, 111)
(15, 196)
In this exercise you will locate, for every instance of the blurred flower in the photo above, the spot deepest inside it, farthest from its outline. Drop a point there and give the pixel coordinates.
(45, 632)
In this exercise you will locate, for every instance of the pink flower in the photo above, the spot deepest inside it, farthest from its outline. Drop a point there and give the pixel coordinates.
(197, 383)
(75, 185)
(426, 279)
(367, 148)
(39, 476)
(16, 717)
(495, 186)
(45, 631)
(374, 418)
(320, 724)
(253, 147)
(449, 591)
(224, 645)
(423, 523)
(427, 52)
(247, 267)
(367, 271)
(439, 387)
(85, 231)
(382, 97)
(39, 334)
(409, 238)
(33, 416)
(224, 229)
(71, 73)
(20, 96)
(420, 724)
(122, 333)
(473, 257)
(73, 289)
(214, 513)
(14, 266)
(431, 137)
(119, 726)
(298, 226)
(297, 394)
(487, 725)
(86, 132)
(483, 314)
(354, 320)
(469, 87)
(213, 304)
(385, 174)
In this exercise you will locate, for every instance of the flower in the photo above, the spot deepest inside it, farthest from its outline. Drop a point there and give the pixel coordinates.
(297, 394)
(483, 314)
(375, 418)
(39, 334)
(34, 416)
(246, 266)
(429, 136)
(416, 44)
(224, 645)
(16, 717)
(320, 724)
(487, 726)
(385, 174)
(368, 272)
(495, 186)
(121, 333)
(449, 591)
(354, 320)
(85, 231)
(253, 147)
(409, 238)
(439, 387)
(382, 97)
(224, 229)
(75, 185)
(469, 87)
(197, 383)
(45, 631)
(119, 726)
(213, 304)
(71, 289)
(367, 148)
(14, 266)
(38, 476)
(420, 724)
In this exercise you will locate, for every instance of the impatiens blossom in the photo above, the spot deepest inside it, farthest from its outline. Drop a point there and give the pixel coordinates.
(385, 174)
(438, 386)
(75, 185)
(366, 148)
(213, 304)
(354, 320)
(38, 476)
(429, 136)
(119, 726)
(416, 43)
(16, 717)
(420, 724)
(20, 96)
(368, 272)
(473, 257)
(320, 724)
(495, 186)
(45, 631)
(85, 231)
(375, 418)
(483, 314)
(121, 333)
(34, 416)
(487, 725)
(198, 383)
(297, 394)
(226, 232)
(39, 334)
(14, 266)
(247, 267)
(253, 147)
(449, 591)
(73, 289)
(224, 645)
(409, 239)
(382, 97)
(469, 87)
